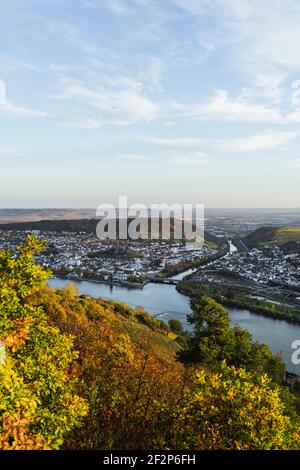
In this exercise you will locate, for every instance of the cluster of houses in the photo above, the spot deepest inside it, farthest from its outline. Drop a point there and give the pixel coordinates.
(266, 266)
(83, 255)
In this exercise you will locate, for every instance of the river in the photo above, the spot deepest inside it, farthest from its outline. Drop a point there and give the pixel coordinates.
(165, 302)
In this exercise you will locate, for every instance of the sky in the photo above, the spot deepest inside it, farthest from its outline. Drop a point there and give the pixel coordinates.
(164, 101)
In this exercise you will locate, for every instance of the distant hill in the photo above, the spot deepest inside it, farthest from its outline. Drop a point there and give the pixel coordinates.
(82, 225)
(8, 216)
(65, 225)
(286, 237)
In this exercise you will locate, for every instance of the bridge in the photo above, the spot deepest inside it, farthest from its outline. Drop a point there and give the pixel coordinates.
(165, 280)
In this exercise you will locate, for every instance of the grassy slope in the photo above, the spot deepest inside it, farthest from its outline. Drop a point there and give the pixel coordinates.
(139, 325)
(126, 364)
(273, 236)
(286, 234)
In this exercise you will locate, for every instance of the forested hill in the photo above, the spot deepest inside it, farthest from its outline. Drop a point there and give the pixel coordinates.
(281, 236)
(80, 225)
(64, 225)
(260, 236)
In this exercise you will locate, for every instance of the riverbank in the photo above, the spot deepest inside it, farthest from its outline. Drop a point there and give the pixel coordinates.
(102, 281)
(259, 307)
(196, 263)
(166, 303)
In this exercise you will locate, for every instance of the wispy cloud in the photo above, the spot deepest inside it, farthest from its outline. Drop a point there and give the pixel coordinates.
(222, 108)
(264, 141)
(267, 87)
(260, 40)
(70, 34)
(119, 105)
(131, 157)
(195, 158)
(261, 31)
(178, 142)
(238, 9)
(122, 100)
(10, 152)
(9, 108)
(116, 6)
(83, 122)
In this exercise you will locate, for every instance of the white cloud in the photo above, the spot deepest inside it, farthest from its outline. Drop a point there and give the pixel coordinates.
(266, 86)
(294, 117)
(12, 109)
(295, 97)
(238, 9)
(2, 92)
(83, 123)
(151, 71)
(10, 65)
(115, 105)
(123, 101)
(276, 39)
(116, 6)
(262, 30)
(178, 142)
(131, 157)
(69, 34)
(194, 7)
(10, 152)
(259, 42)
(221, 107)
(265, 141)
(169, 123)
(121, 89)
(196, 158)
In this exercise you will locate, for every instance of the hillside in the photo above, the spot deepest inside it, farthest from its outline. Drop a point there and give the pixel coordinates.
(86, 373)
(82, 225)
(8, 216)
(286, 237)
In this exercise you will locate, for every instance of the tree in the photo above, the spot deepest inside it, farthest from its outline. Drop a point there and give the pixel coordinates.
(176, 326)
(254, 356)
(212, 338)
(38, 400)
(231, 409)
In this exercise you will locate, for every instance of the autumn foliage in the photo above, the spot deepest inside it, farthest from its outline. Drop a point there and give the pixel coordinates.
(84, 373)
(38, 402)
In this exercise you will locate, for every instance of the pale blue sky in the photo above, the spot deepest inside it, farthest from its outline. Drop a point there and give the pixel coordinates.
(191, 101)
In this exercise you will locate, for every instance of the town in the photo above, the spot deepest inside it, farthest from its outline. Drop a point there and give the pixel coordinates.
(270, 266)
(83, 256)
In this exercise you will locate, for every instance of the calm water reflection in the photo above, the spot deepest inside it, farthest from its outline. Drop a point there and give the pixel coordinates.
(165, 302)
